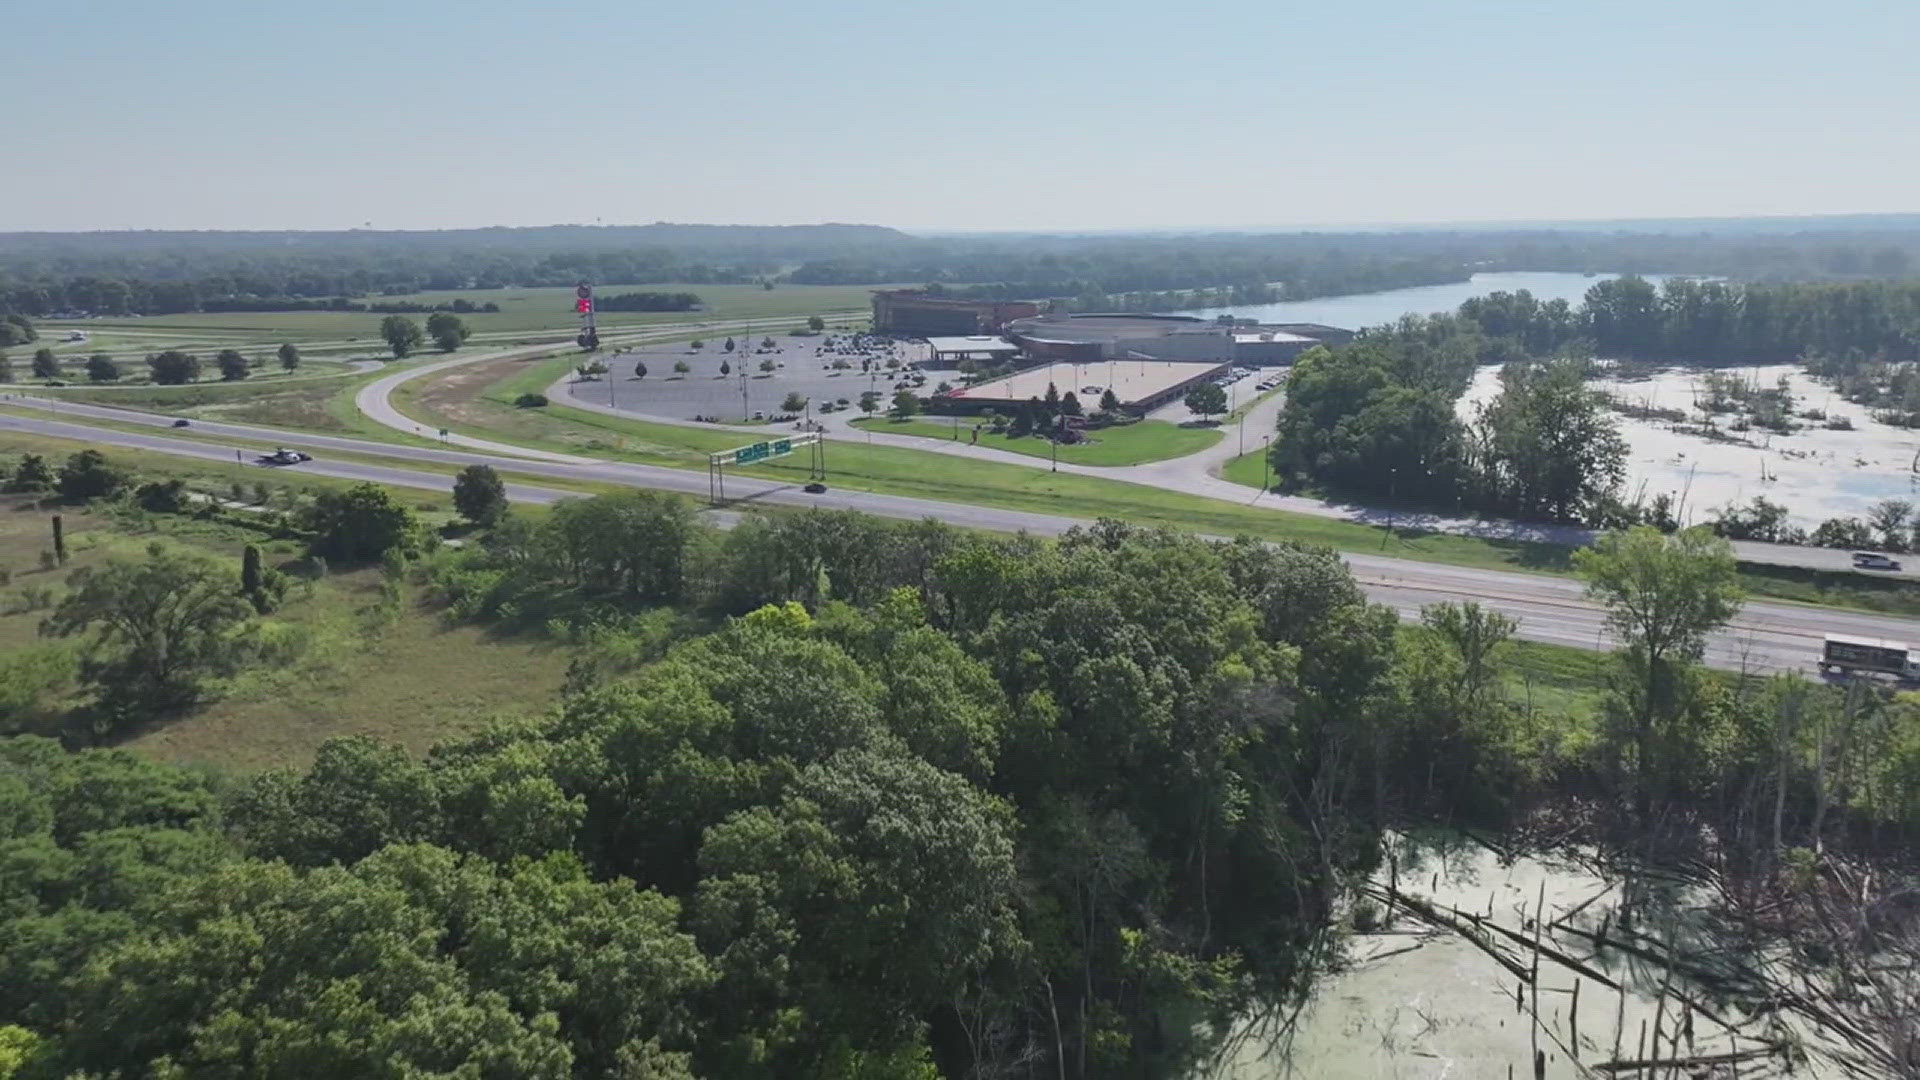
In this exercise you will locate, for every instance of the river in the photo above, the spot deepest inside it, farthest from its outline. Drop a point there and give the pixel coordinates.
(1359, 310)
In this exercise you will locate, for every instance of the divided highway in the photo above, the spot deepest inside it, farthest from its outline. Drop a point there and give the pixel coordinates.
(1764, 637)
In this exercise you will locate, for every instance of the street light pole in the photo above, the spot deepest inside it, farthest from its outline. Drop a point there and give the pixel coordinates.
(1266, 462)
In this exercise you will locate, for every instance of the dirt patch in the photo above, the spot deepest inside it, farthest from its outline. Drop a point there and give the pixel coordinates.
(455, 395)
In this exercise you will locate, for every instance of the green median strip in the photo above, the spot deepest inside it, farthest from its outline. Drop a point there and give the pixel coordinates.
(1125, 444)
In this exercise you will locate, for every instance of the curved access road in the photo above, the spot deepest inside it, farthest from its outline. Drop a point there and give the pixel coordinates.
(1763, 637)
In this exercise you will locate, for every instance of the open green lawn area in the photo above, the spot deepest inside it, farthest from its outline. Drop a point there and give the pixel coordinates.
(135, 375)
(536, 314)
(1249, 469)
(522, 309)
(1127, 444)
(303, 403)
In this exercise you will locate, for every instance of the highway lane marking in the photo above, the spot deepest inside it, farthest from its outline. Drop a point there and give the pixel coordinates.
(1562, 604)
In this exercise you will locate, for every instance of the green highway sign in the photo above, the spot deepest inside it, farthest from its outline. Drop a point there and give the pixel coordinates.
(761, 451)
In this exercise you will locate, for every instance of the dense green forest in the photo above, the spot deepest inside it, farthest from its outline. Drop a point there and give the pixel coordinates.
(163, 272)
(1377, 419)
(829, 796)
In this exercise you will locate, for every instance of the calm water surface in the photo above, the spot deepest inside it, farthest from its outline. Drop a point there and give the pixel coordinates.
(1371, 309)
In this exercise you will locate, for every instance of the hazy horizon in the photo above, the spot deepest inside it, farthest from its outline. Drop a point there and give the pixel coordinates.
(1646, 224)
(947, 118)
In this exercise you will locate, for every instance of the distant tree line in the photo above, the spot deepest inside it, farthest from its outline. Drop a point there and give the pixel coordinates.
(161, 272)
(1712, 322)
(648, 301)
(1316, 264)
(96, 296)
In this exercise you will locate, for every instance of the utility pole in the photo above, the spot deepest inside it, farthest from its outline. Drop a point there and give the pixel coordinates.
(1266, 462)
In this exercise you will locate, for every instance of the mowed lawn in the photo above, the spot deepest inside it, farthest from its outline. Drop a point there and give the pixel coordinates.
(1249, 468)
(545, 312)
(1127, 444)
(301, 403)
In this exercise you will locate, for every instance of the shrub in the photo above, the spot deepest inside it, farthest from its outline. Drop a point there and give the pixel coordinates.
(162, 497)
(530, 401)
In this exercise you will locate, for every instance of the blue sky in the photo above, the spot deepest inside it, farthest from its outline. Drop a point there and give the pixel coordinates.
(988, 114)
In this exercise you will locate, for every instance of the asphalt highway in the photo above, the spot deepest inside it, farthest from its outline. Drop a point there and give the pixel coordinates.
(1764, 637)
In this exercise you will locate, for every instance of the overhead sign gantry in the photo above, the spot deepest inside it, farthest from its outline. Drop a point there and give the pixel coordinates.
(767, 450)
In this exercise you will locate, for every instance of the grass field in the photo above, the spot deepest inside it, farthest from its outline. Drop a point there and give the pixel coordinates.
(398, 673)
(1249, 469)
(367, 664)
(1129, 444)
(135, 375)
(531, 314)
(292, 403)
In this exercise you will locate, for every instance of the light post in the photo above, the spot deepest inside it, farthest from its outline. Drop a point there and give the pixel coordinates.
(1266, 462)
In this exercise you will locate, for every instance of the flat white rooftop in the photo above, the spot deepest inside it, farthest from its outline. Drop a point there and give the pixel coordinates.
(976, 343)
(1132, 381)
(1245, 337)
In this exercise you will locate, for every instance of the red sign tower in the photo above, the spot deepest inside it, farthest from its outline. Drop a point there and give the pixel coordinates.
(583, 304)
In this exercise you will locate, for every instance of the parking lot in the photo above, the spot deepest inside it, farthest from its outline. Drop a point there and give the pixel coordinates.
(1240, 383)
(760, 373)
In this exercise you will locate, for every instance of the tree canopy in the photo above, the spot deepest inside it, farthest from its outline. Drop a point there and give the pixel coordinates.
(401, 334)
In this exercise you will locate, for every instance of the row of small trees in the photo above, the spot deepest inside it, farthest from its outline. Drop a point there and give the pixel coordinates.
(175, 367)
(172, 367)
